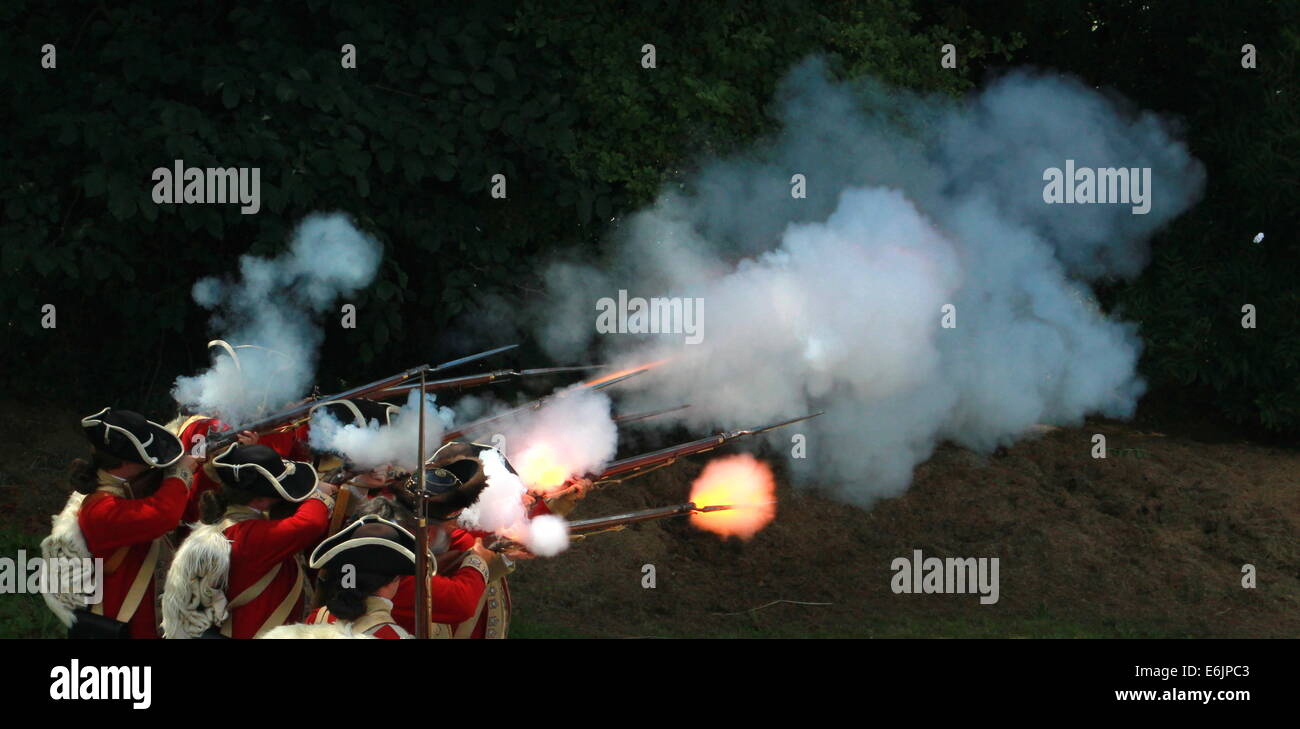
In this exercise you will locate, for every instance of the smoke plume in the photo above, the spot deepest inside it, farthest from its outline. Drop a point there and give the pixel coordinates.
(919, 212)
(500, 509)
(571, 434)
(378, 445)
(271, 314)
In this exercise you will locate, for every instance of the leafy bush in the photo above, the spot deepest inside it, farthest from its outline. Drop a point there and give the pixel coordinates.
(407, 142)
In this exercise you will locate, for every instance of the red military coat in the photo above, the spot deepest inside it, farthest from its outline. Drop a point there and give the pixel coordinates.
(291, 444)
(454, 601)
(258, 545)
(109, 522)
(454, 597)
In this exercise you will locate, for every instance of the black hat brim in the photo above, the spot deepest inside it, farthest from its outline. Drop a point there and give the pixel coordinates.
(367, 554)
(158, 448)
(298, 485)
(295, 486)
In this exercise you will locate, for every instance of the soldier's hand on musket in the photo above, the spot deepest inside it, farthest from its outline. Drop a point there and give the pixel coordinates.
(563, 501)
(515, 555)
(580, 486)
(247, 437)
(372, 479)
(326, 488)
(499, 564)
(513, 552)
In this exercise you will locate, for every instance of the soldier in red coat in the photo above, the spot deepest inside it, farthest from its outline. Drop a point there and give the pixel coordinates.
(240, 572)
(128, 498)
(193, 433)
(453, 481)
(457, 587)
(361, 569)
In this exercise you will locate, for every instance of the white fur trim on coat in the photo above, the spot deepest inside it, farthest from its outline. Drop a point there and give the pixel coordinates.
(320, 630)
(66, 542)
(195, 596)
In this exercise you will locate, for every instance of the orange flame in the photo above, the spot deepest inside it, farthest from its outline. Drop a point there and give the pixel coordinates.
(741, 481)
(541, 469)
(615, 375)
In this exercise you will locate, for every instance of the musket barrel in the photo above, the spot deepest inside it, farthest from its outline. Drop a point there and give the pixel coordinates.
(597, 384)
(448, 383)
(300, 412)
(634, 417)
(589, 526)
(422, 604)
(480, 379)
(666, 455)
(663, 455)
(594, 525)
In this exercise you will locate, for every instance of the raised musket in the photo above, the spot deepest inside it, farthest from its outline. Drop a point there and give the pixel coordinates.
(300, 412)
(637, 417)
(485, 378)
(665, 456)
(599, 383)
(470, 358)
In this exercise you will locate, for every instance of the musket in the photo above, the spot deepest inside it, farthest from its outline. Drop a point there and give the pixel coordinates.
(470, 358)
(302, 411)
(635, 417)
(422, 605)
(618, 521)
(481, 379)
(666, 456)
(599, 383)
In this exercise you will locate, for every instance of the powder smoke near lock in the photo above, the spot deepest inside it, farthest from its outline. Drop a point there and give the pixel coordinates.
(373, 445)
(915, 206)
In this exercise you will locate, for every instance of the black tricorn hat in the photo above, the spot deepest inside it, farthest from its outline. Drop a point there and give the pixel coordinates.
(453, 478)
(259, 469)
(369, 544)
(130, 437)
(358, 411)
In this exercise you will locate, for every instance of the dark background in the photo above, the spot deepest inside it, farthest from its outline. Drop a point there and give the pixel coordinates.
(554, 97)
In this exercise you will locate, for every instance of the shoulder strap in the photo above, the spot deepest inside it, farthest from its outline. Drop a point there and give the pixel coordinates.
(140, 583)
(115, 559)
(466, 629)
(281, 614)
(378, 614)
(250, 594)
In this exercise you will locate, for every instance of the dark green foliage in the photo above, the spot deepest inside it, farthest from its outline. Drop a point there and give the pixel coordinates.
(1185, 58)
(440, 100)
(555, 98)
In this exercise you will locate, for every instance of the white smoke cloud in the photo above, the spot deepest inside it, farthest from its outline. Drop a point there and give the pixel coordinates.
(378, 445)
(274, 306)
(835, 302)
(572, 430)
(548, 535)
(500, 509)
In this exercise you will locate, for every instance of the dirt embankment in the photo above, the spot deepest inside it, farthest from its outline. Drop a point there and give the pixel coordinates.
(1149, 541)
